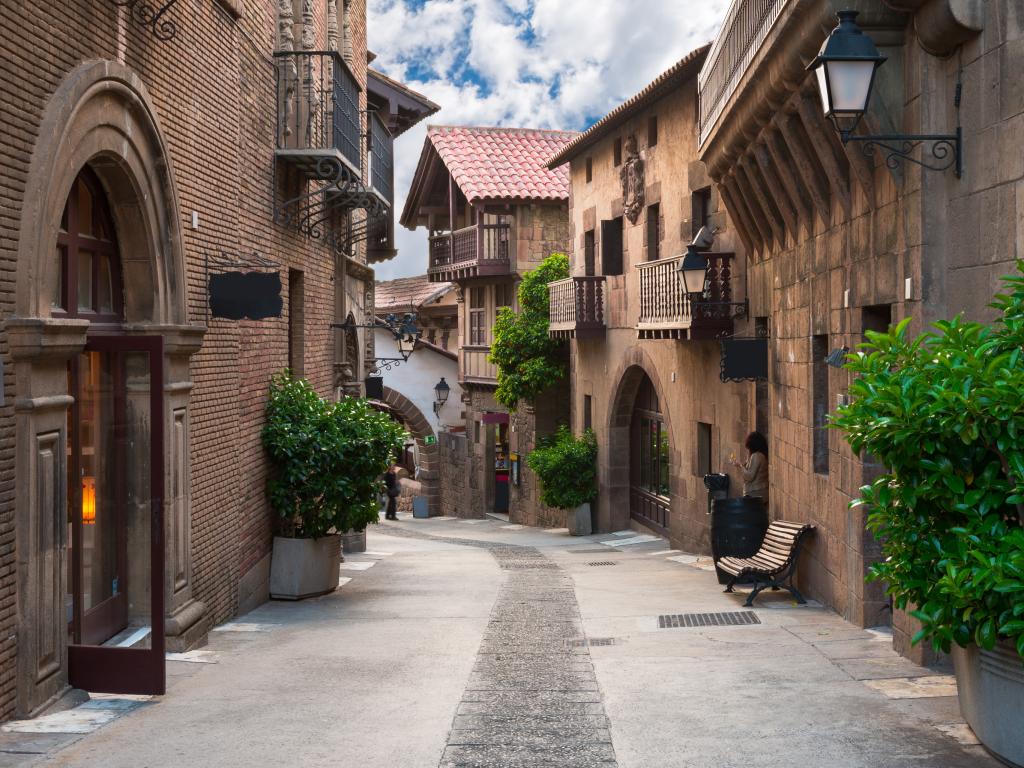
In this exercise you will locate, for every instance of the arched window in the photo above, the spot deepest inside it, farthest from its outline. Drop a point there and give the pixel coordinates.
(89, 282)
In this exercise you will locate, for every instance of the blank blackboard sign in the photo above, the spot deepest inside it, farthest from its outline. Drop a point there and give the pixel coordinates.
(253, 295)
(744, 359)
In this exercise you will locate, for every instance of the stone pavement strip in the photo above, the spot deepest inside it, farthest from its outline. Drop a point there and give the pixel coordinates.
(533, 698)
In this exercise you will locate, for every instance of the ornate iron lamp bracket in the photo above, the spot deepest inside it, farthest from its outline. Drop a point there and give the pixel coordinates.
(946, 150)
(399, 326)
(151, 15)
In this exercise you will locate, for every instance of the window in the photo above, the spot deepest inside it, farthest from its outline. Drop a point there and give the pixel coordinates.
(703, 449)
(89, 278)
(296, 322)
(590, 170)
(588, 415)
(700, 204)
(588, 252)
(611, 247)
(503, 295)
(819, 394)
(875, 318)
(652, 131)
(653, 232)
(477, 326)
(617, 152)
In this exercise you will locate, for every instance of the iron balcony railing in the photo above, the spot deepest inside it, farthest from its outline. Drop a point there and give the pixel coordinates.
(746, 26)
(317, 104)
(665, 306)
(576, 307)
(381, 158)
(478, 250)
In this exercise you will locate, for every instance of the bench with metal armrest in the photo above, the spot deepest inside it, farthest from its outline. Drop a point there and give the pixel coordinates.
(774, 563)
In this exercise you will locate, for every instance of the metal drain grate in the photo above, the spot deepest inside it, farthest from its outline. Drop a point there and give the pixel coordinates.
(728, 619)
(589, 642)
(601, 562)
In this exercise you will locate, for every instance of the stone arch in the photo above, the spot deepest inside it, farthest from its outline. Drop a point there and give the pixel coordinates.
(102, 116)
(613, 510)
(419, 428)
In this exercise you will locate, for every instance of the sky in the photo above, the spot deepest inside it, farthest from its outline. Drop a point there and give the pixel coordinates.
(524, 63)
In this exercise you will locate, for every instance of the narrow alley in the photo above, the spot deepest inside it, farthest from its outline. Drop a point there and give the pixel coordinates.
(478, 643)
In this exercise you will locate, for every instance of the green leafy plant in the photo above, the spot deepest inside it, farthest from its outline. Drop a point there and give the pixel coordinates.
(528, 360)
(326, 459)
(567, 468)
(944, 412)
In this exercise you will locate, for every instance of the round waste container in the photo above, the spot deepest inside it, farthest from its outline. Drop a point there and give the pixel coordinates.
(737, 529)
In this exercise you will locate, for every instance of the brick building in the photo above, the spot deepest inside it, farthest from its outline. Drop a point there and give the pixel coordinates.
(492, 211)
(139, 157)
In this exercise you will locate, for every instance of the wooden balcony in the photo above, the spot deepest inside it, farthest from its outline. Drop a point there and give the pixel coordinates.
(576, 308)
(474, 368)
(666, 312)
(482, 250)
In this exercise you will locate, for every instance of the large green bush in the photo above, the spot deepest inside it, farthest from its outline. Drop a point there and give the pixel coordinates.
(528, 360)
(566, 467)
(326, 459)
(945, 414)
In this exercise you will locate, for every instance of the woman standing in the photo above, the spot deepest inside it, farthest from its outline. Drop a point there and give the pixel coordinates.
(391, 483)
(755, 470)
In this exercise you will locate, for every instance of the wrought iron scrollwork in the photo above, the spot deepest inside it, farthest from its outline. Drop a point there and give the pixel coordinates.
(151, 15)
(939, 152)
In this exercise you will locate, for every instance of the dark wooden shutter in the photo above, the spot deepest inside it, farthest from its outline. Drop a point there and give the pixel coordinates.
(611, 247)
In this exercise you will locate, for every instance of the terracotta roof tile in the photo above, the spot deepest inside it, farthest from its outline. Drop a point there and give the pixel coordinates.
(399, 294)
(503, 163)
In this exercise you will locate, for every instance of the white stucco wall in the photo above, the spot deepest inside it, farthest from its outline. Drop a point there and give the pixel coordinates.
(416, 379)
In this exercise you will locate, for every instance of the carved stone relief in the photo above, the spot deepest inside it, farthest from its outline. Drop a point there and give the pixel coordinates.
(632, 177)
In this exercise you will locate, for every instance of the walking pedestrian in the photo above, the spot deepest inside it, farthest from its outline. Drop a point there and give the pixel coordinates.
(755, 470)
(391, 483)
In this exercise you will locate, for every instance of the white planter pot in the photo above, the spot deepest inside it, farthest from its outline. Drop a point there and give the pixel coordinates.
(304, 567)
(579, 520)
(990, 686)
(353, 541)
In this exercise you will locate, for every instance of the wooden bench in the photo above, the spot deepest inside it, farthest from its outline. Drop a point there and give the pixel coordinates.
(774, 562)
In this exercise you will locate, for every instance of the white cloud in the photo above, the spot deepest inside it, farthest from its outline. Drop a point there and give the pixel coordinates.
(529, 63)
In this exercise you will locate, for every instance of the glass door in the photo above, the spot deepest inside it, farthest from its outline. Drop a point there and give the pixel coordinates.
(115, 510)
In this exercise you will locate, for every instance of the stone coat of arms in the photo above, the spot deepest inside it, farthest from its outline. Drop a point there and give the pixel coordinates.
(632, 177)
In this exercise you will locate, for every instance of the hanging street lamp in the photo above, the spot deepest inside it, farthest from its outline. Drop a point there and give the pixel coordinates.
(407, 334)
(845, 68)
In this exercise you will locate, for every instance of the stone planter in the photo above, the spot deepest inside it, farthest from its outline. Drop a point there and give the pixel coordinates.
(353, 541)
(304, 567)
(990, 685)
(579, 520)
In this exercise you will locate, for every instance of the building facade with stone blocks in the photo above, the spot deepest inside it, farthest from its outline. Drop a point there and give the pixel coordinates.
(645, 364)
(492, 211)
(841, 241)
(141, 160)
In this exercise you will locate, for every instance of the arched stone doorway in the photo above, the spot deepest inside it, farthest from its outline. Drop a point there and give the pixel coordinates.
(640, 467)
(420, 429)
(100, 125)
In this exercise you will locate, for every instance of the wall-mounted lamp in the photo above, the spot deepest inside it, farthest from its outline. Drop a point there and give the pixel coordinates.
(845, 68)
(441, 392)
(837, 357)
(694, 268)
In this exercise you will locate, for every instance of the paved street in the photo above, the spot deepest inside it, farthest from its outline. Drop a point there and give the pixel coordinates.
(475, 643)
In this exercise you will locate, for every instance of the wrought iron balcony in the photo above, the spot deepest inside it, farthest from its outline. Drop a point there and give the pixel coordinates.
(380, 239)
(318, 125)
(666, 311)
(746, 26)
(576, 307)
(481, 250)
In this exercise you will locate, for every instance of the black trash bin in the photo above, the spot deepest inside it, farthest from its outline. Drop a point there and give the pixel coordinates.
(738, 526)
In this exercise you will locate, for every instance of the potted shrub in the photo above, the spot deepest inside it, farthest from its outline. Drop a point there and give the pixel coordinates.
(326, 461)
(944, 412)
(567, 469)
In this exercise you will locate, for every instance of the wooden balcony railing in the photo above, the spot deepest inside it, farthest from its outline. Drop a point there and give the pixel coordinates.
(481, 250)
(474, 366)
(745, 28)
(576, 307)
(666, 312)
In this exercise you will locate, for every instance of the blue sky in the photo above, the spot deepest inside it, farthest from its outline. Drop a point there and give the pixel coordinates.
(529, 63)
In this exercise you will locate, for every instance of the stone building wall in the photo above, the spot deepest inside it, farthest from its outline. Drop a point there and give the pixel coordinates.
(453, 452)
(212, 89)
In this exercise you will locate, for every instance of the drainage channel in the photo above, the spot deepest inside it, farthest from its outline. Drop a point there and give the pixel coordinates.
(532, 698)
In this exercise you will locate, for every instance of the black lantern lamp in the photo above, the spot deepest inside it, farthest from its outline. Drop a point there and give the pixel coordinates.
(845, 68)
(694, 267)
(403, 328)
(441, 392)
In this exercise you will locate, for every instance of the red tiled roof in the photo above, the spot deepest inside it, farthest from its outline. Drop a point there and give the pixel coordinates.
(687, 67)
(503, 163)
(400, 294)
